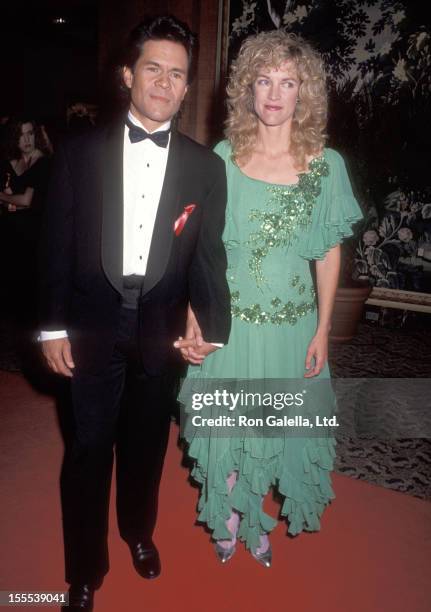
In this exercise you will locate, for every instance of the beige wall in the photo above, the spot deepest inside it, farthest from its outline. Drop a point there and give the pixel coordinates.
(199, 117)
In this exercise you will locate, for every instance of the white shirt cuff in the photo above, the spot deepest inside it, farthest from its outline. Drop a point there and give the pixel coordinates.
(52, 335)
(218, 344)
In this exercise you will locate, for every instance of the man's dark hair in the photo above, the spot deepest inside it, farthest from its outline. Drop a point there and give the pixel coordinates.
(159, 28)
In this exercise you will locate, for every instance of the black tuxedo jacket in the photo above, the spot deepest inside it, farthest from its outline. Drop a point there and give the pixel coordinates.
(81, 254)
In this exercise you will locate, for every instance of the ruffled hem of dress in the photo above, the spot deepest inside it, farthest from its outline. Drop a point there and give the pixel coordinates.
(305, 497)
(305, 500)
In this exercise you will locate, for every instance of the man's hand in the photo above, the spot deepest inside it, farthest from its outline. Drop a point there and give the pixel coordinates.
(58, 356)
(317, 355)
(193, 347)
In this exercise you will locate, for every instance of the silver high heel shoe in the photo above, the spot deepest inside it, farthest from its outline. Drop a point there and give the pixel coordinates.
(224, 554)
(264, 558)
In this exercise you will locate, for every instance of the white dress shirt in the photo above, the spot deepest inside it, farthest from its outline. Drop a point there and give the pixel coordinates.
(144, 167)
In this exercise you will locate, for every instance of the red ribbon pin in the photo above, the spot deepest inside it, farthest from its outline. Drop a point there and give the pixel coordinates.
(181, 221)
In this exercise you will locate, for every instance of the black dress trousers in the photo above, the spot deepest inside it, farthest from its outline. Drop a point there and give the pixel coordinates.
(125, 409)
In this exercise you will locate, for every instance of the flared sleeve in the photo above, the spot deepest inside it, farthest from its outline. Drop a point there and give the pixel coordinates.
(223, 150)
(334, 213)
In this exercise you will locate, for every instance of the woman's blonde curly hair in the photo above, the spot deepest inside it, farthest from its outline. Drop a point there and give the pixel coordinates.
(271, 50)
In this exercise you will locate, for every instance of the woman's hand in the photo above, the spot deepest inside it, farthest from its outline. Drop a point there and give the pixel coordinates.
(317, 354)
(327, 271)
(18, 200)
(192, 354)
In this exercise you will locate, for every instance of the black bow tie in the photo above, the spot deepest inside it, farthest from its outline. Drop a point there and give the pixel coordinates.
(136, 134)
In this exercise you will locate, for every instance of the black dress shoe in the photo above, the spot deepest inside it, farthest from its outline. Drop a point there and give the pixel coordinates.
(145, 559)
(80, 598)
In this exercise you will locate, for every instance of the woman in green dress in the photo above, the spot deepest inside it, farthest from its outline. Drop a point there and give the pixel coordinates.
(289, 202)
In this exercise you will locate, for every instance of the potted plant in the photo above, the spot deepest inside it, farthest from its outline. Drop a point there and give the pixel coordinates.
(351, 295)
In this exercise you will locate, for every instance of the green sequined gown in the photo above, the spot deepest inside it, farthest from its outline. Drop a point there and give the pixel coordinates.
(271, 232)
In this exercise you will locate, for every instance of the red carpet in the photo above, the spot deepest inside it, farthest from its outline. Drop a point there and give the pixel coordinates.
(372, 555)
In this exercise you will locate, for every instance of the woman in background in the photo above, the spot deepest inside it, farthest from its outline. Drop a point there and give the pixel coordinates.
(23, 182)
(289, 202)
(25, 171)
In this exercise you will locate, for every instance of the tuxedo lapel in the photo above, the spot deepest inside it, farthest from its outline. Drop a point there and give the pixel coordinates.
(112, 220)
(167, 212)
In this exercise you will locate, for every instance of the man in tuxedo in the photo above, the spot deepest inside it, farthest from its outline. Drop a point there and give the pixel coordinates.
(131, 239)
